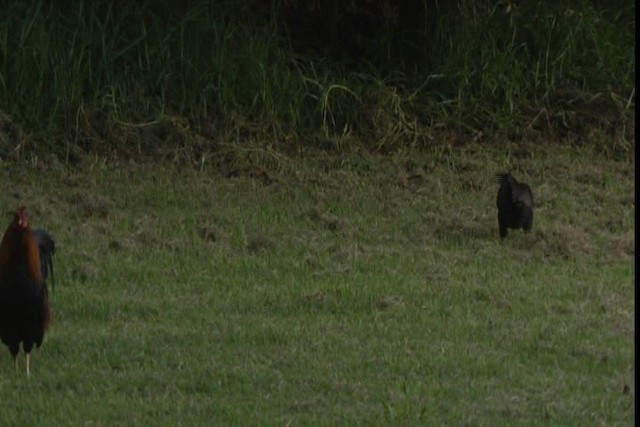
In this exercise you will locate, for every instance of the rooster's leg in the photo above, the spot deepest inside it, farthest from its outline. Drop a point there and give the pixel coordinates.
(26, 358)
(14, 348)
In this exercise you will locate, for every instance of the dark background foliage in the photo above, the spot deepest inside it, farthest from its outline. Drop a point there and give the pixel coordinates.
(119, 76)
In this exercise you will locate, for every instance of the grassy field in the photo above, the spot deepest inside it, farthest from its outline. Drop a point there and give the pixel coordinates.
(319, 290)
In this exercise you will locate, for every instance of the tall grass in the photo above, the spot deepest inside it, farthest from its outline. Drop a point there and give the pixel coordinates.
(501, 70)
(72, 73)
(134, 65)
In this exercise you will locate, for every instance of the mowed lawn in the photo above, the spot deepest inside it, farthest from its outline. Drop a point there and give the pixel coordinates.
(331, 290)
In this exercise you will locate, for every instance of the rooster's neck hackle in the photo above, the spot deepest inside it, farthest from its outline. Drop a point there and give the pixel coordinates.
(18, 248)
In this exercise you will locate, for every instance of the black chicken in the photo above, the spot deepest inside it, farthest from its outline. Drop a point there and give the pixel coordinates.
(515, 204)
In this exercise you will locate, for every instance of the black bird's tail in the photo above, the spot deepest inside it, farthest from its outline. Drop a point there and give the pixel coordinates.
(47, 248)
(516, 191)
(505, 178)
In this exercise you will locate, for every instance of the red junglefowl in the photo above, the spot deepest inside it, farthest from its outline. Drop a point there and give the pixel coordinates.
(25, 264)
(515, 204)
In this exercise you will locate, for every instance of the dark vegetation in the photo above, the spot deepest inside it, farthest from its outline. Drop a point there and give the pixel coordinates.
(206, 78)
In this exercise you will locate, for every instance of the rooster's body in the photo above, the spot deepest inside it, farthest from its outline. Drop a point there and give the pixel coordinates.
(515, 204)
(25, 264)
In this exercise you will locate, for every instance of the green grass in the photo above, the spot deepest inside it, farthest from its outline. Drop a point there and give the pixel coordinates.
(348, 290)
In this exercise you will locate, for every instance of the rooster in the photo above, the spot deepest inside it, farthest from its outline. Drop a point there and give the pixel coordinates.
(515, 204)
(25, 264)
